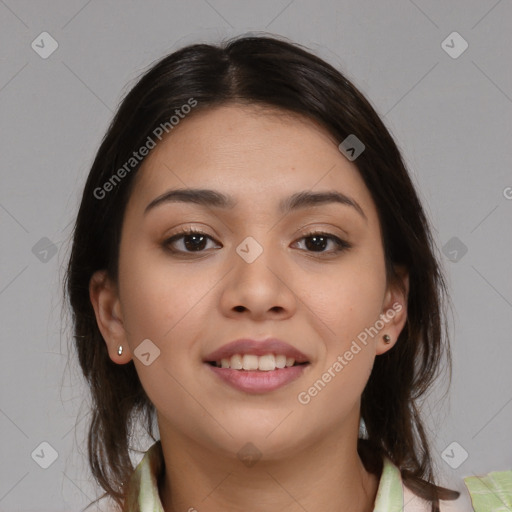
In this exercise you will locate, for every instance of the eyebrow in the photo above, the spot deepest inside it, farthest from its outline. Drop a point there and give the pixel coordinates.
(216, 199)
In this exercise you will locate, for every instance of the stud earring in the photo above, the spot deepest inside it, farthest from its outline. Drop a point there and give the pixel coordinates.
(387, 338)
(120, 350)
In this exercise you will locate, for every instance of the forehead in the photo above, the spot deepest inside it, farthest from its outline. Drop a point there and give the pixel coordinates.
(256, 155)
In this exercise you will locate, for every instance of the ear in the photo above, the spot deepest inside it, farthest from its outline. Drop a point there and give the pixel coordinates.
(107, 308)
(394, 309)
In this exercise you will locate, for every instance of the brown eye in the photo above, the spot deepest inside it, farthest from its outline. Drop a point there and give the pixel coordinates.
(318, 241)
(192, 241)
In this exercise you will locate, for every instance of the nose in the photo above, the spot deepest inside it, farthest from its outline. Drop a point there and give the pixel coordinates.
(260, 288)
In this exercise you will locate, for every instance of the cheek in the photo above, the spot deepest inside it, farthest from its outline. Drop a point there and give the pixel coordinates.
(349, 298)
(335, 386)
(157, 297)
(352, 306)
(160, 302)
(336, 389)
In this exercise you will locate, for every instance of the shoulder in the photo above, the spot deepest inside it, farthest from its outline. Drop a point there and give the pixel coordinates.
(413, 503)
(491, 492)
(141, 494)
(484, 493)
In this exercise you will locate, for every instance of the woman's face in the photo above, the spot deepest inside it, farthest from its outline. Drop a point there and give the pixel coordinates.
(251, 273)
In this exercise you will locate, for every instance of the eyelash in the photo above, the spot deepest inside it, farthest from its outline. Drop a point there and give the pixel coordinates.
(342, 245)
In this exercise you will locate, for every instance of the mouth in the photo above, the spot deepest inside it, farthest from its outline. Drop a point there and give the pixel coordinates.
(258, 381)
(251, 362)
(257, 366)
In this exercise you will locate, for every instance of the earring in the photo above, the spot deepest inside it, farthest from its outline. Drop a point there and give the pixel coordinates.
(120, 350)
(387, 338)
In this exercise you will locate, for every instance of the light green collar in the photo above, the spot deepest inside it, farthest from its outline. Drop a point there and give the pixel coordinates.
(489, 492)
(143, 493)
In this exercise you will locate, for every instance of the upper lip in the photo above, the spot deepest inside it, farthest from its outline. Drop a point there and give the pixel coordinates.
(258, 348)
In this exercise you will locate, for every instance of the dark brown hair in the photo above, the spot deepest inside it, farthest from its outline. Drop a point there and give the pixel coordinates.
(264, 71)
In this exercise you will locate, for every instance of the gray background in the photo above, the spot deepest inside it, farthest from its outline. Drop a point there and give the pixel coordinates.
(450, 116)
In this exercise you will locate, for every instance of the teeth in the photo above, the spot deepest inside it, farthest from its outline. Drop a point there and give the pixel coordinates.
(265, 363)
(235, 362)
(250, 362)
(280, 361)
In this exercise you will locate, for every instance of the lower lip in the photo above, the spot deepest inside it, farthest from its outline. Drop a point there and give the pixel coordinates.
(258, 381)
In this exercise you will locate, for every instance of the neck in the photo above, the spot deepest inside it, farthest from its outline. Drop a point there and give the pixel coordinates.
(326, 476)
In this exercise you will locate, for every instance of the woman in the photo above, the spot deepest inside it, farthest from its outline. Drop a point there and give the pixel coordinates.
(252, 268)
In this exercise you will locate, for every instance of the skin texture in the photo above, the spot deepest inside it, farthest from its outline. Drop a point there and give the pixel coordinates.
(192, 303)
